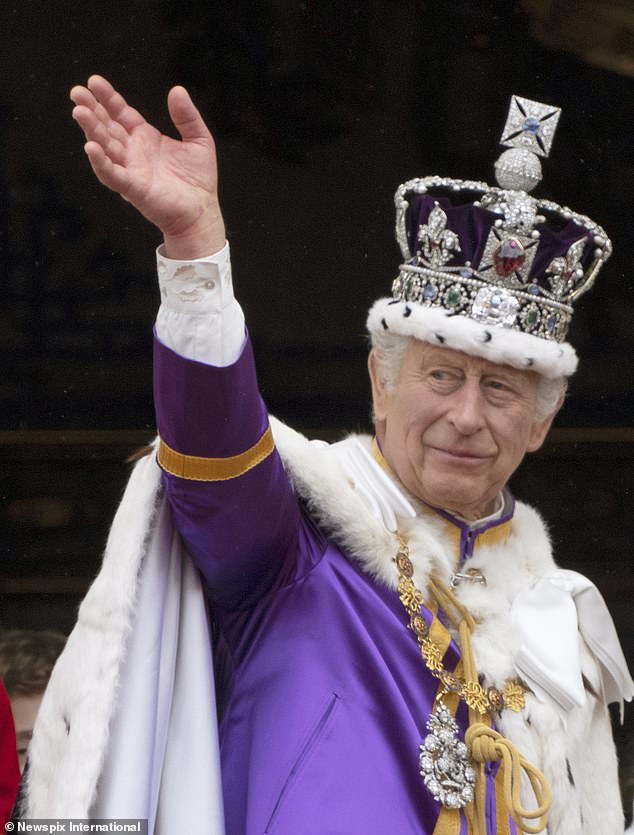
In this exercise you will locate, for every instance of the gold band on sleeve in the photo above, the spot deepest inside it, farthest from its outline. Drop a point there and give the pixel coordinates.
(193, 468)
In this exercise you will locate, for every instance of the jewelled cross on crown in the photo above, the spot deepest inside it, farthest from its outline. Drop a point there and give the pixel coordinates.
(528, 133)
(530, 124)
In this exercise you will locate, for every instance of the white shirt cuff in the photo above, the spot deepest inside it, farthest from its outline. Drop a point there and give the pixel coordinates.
(199, 317)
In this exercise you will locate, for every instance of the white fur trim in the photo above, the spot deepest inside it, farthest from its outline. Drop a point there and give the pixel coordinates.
(345, 518)
(71, 731)
(491, 342)
(127, 726)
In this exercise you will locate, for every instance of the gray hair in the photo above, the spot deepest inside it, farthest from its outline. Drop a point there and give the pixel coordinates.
(390, 349)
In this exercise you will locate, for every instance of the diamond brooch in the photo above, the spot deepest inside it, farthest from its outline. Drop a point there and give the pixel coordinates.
(444, 761)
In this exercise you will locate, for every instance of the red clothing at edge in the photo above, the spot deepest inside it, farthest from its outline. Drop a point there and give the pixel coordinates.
(9, 768)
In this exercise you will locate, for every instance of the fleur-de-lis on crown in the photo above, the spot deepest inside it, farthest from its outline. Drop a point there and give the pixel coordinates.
(566, 269)
(438, 244)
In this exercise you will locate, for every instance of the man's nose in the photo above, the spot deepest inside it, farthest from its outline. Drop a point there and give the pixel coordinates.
(467, 408)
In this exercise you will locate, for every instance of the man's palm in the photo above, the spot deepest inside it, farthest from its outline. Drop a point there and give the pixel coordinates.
(173, 183)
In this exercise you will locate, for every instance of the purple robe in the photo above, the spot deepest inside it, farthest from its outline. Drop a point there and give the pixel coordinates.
(327, 695)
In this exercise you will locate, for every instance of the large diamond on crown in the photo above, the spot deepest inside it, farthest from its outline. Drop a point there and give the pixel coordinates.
(495, 306)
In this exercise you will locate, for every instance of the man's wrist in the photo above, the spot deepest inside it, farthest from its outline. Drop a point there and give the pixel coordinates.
(206, 237)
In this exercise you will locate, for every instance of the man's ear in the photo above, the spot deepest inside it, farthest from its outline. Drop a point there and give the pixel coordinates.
(379, 392)
(540, 428)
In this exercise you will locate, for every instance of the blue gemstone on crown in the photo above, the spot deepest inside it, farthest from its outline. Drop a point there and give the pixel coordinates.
(430, 292)
(531, 125)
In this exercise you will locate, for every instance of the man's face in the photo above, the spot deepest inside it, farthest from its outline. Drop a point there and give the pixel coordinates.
(455, 427)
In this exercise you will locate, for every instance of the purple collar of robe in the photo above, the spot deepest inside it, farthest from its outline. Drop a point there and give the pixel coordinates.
(485, 532)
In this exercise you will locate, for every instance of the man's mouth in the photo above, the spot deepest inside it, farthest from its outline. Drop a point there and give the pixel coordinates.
(462, 455)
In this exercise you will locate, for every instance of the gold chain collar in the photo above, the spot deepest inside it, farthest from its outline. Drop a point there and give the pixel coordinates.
(491, 700)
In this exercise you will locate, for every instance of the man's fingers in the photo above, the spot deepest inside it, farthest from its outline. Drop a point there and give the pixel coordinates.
(114, 103)
(185, 116)
(96, 131)
(82, 97)
(86, 120)
(107, 172)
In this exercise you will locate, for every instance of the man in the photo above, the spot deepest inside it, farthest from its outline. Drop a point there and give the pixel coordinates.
(27, 658)
(400, 653)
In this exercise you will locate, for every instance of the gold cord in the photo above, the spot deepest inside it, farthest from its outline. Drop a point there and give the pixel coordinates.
(487, 745)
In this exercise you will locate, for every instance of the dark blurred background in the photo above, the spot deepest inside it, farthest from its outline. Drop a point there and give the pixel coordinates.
(320, 110)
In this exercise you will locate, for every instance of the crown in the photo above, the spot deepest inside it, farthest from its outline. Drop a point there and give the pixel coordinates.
(497, 256)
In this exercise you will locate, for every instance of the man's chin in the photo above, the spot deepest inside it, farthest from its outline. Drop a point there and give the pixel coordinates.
(462, 499)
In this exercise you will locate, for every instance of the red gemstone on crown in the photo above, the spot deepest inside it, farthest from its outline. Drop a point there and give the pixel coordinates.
(508, 257)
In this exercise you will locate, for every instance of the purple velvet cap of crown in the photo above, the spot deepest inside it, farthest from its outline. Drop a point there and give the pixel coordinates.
(473, 225)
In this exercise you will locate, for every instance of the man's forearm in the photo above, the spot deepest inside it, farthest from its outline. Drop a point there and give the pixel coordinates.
(230, 496)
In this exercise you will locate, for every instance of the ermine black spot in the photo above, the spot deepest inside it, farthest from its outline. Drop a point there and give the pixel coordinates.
(66, 725)
(395, 301)
(384, 323)
(408, 311)
(487, 336)
(530, 361)
(569, 770)
(440, 338)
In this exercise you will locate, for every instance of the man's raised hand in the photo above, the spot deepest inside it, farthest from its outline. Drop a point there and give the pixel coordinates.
(173, 183)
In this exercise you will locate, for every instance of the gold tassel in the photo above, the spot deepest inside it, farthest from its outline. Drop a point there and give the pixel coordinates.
(487, 745)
